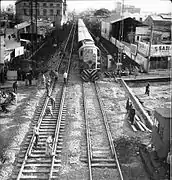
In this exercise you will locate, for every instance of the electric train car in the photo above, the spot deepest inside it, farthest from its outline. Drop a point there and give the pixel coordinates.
(89, 54)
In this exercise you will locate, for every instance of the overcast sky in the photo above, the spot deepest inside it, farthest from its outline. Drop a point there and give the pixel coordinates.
(158, 6)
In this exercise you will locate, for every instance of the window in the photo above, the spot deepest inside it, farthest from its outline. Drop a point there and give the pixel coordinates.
(44, 12)
(58, 5)
(51, 5)
(58, 12)
(25, 11)
(51, 12)
(44, 4)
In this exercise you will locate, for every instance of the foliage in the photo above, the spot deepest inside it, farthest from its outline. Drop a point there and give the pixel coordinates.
(102, 12)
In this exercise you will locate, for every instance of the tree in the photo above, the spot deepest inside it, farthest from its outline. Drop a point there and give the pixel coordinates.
(10, 9)
(102, 12)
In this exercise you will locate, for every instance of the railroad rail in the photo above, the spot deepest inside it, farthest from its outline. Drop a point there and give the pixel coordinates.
(144, 119)
(33, 163)
(104, 154)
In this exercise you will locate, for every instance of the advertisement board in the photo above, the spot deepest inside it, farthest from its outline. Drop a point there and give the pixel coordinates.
(133, 48)
(161, 50)
(113, 40)
(2, 50)
(143, 48)
(119, 44)
(127, 51)
(141, 60)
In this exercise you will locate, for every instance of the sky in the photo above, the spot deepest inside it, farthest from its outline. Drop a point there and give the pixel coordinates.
(158, 6)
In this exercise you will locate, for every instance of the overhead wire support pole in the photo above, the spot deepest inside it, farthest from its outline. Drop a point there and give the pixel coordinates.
(149, 51)
(31, 15)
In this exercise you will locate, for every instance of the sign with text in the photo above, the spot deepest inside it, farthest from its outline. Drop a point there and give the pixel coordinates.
(127, 51)
(161, 50)
(113, 40)
(143, 48)
(141, 61)
(133, 49)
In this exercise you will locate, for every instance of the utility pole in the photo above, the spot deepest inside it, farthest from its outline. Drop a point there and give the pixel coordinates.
(31, 14)
(149, 51)
(36, 14)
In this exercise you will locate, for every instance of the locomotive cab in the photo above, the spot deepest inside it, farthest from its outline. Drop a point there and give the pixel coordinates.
(89, 54)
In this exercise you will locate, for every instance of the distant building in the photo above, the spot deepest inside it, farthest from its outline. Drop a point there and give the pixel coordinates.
(43, 9)
(6, 20)
(127, 8)
(161, 26)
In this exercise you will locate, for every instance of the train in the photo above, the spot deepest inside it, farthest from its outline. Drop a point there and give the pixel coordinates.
(89, 54)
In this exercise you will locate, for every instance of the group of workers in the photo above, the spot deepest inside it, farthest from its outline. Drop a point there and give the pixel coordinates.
(130, 109)
(48, 110)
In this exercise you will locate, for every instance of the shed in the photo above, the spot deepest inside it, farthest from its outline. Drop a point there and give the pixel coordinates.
(161, 135)
(129, 28)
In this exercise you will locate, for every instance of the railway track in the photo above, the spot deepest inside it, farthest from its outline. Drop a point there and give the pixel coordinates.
(101, 152)
(34, 163)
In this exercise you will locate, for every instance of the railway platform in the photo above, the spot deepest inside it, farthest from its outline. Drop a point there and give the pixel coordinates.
(154, 76)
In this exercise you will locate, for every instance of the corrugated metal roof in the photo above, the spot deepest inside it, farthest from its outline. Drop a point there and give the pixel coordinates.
(111, 18)
(119, 19)
(161, 18)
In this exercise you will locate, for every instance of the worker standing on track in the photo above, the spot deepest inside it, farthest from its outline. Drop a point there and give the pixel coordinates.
(43, 80)
(49, 111)
(56, 75)
(48, 146)
(47, 86)
(36, 134)
(65, 77)
(52, 100)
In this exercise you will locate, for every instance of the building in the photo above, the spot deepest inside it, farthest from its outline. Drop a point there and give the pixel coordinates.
(133, 38)
(7, 20)
(42, 9)
(126, 8)
(161, 26)
(2, 50)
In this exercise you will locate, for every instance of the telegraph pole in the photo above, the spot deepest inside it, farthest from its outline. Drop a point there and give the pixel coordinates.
(149, 52)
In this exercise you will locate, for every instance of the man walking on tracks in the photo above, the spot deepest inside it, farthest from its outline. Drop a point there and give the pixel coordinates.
(36, 133)
(65, 77)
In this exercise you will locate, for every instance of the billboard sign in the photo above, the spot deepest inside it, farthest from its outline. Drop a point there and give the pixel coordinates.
(161, 50)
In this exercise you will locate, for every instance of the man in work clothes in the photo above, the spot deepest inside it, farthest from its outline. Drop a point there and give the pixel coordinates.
(49, 111)
(132, 113)
(48, 145)
(47, 86)
(52, 100)
(36, 134)
(15, 86)
(127, 105)
(65, 77)
(147, 89)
